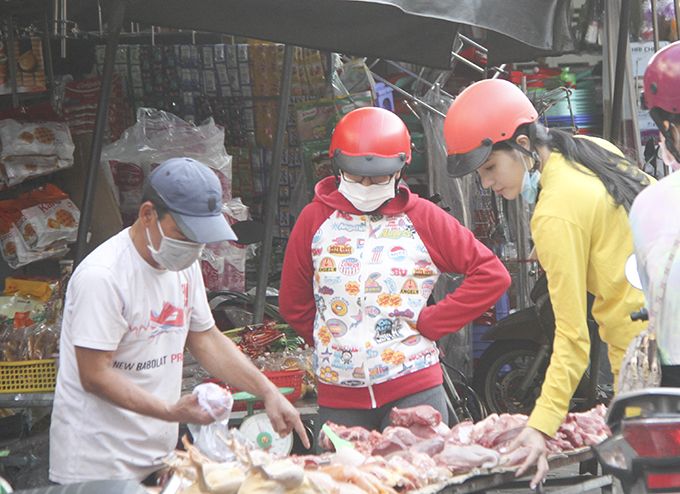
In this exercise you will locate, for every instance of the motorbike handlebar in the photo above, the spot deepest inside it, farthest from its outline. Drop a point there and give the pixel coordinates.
(640, 315)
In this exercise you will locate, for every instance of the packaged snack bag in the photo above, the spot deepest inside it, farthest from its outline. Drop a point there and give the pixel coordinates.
(51, 216)
(36, 138)
(7, 241)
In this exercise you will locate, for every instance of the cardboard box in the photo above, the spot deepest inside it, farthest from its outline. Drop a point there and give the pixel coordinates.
(106, 218)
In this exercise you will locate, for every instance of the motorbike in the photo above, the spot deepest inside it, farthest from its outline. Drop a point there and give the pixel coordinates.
(643, 451)
(509, 374)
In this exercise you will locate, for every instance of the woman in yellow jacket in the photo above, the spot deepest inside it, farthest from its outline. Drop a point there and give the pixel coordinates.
(579, 227)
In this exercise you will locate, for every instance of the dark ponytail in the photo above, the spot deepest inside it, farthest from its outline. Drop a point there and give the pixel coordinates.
(622, 179)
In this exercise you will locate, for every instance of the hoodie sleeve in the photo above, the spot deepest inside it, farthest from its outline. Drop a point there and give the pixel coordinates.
(454, 249)
(296, 296)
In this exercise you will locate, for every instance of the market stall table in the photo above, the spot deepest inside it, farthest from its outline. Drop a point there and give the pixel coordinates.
(478, 480)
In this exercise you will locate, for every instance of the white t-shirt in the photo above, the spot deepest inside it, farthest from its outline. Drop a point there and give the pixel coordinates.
(117, 302)
(655, 224)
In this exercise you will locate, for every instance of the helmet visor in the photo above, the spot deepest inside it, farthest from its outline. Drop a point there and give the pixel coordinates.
(459, 165)
(369, 166)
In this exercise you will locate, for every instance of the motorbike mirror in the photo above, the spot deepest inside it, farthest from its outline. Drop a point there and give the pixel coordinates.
(632, 274)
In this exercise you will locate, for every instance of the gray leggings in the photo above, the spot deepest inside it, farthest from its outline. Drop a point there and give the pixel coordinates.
(379, 418)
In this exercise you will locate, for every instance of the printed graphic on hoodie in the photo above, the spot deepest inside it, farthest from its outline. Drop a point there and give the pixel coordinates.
(369, 294)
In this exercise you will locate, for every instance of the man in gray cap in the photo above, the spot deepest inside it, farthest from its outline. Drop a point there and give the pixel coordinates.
(131, 308)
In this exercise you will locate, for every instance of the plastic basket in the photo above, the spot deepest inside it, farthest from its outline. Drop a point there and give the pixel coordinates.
(282, 379)
(28, 376)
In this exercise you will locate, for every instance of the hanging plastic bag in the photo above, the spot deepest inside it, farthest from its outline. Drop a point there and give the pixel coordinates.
(641, 367)
(218, 402)
(156, 137)
(223, 264)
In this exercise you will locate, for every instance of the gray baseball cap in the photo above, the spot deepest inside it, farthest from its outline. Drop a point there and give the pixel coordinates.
(193, 194)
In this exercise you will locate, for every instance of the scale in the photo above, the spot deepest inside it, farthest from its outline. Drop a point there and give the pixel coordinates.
(258, 429)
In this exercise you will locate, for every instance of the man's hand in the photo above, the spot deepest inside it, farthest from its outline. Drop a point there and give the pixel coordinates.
(188, 411)
(218, 355)
(538, 454)
(284, 417)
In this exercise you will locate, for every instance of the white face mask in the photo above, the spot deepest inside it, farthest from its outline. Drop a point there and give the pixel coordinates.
(172, 254)
(367, 198)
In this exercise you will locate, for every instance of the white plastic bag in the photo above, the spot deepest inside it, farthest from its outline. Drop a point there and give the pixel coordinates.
(156, 137)
(213, 398)
(224, 263)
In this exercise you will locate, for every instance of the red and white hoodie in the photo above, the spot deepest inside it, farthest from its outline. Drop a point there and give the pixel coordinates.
(356, 285)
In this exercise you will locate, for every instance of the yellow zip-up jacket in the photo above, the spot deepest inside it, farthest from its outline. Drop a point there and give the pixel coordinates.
(583, 241)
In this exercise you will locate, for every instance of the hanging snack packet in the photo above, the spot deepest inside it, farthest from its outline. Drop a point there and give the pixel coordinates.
(51, 216)
(8, 241)
(36, 138)
(25, 229)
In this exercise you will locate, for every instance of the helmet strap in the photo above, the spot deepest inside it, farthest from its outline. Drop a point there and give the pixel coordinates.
(531, 154)
(402, 176)
(660, 116)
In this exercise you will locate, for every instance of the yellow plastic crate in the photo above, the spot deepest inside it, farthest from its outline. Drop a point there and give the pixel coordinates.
(28, 376)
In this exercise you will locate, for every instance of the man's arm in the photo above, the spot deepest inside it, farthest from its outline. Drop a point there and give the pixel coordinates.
(98, 377)
(218, 355)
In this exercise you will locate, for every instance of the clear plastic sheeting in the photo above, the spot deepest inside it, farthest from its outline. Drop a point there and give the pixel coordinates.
(522, 267)
(458, 195)
(509, 234)
(26, 464)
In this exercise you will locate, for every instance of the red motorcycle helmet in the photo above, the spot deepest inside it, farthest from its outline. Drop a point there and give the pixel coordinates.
(485, 113)
(370, 142)
(662, 79)
(661, 92)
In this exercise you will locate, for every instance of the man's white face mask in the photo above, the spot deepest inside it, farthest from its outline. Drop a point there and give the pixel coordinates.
(367, 198)
(172, 254)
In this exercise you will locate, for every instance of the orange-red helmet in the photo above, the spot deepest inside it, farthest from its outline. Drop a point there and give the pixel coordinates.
(485, 113)
(370, 142)
(662, 79)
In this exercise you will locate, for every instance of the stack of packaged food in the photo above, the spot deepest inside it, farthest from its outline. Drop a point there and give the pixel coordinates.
(37, 225)
(35, 141)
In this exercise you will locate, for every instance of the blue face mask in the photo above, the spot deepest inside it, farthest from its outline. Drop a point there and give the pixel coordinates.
(530, 183)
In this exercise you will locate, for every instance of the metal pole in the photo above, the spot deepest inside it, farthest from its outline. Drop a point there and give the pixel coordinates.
(101, 21)
(115, 25)
(499, 71)
(57, 11)
(473, 43)
(273, 185)
(416, 76)
(408, 95)
(48, 59)
(676, 5)
(64, 15)
(468, 62)
(655, 25)
(619, 74)
(12, 62)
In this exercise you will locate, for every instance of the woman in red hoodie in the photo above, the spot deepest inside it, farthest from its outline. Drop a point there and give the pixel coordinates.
(360, 265)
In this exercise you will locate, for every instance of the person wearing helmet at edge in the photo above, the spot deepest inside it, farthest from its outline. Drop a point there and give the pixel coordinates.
(579, 228)
(654, 217)
(132, 306)
(361, 262)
